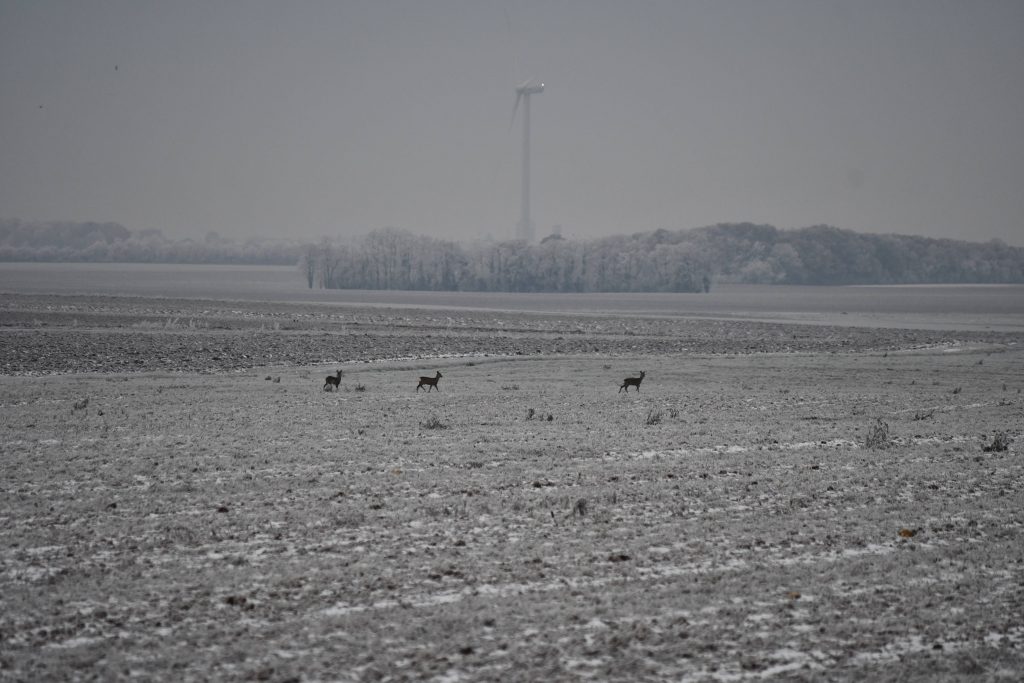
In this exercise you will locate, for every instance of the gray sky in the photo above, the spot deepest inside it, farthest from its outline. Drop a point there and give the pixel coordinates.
(301, 119)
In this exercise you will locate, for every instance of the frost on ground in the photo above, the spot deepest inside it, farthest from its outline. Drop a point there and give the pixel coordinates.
(196, 523)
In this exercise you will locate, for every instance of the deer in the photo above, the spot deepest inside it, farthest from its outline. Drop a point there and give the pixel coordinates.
(332, 381)
(632, 382)
(429, 382)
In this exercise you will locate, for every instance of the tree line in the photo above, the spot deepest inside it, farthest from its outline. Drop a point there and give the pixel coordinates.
(396, 259)
(658, 261)
(114, 243)
(825, 255)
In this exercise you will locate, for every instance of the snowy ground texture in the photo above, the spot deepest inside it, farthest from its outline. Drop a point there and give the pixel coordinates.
(182, 500)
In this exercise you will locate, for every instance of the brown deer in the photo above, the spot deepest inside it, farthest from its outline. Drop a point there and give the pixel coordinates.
(429, 382)
(332, 381)
(632, 382)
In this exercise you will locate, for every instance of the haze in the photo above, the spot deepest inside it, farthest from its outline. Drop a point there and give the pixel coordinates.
(302, 119)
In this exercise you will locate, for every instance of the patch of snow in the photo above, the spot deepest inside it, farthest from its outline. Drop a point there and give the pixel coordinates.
(418, 357)
(44, 550)
(30, 574)
(450, 676)
(730, 449)
(80, 641)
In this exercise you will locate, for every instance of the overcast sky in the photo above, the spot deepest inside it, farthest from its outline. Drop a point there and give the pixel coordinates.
(302, 119)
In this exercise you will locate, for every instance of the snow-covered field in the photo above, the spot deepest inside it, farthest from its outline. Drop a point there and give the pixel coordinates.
(182, 500)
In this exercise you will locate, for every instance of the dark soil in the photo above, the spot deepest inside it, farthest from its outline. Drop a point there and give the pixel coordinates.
(51, 334)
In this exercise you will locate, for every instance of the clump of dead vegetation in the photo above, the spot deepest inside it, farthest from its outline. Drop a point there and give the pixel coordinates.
(1000, 443)
(531, 414)
(657, 415)
(878, 436)
(434, 422)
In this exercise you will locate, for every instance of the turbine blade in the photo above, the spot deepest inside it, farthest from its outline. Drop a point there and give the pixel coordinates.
(515, 108)
(511, 44)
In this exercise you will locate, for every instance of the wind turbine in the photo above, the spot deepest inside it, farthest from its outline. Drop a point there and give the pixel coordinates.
(524, 230)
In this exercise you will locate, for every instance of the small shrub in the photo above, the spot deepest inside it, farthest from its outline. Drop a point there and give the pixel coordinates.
(1000, 443)
(359, 387)
(957, 390)
(924, 414)
(653, 417)
(673, 413)
(530, 412)
(433, 423)
(878, 436)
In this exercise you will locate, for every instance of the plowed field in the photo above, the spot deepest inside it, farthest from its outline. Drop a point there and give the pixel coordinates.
(182, 500)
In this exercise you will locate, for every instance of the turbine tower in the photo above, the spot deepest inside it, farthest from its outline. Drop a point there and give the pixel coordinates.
(524, 230)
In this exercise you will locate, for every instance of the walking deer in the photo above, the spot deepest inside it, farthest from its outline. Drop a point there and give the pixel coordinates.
(632, 382)
(332, 381)
(429, 382)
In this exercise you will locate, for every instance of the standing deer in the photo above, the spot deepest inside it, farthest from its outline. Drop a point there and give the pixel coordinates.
(429, 382)
(332, 381)
(632, 382)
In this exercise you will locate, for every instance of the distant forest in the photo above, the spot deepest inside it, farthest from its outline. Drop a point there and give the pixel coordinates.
(659, 261)
(114, 243)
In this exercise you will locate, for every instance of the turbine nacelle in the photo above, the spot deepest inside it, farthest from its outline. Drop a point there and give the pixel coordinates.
(529, 88)
(525, 90)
